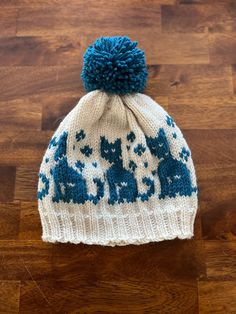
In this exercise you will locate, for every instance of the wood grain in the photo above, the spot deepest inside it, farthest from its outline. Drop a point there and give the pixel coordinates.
(68, 49)
(21, 82)
(79, 17)
(26, 182)
(209, 113)
(165, 297)
(25, 260)
(20, 148)
(9, 296)
(21, 114)
(10, 220)
(190, 81)
(221, 260)
(55, 109)
(217, 195)
(213, 16)
(191, 55)
(8, 21)
(222, 48)
(211, 298)
(30, 226)
(212, 146)
(7, 183)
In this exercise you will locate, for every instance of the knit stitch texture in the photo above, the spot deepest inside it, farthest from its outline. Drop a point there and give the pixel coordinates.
(117, 171)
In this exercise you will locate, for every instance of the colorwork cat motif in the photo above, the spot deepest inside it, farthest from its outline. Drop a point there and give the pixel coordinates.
(122, 183)
(173, 174)
(69, 184)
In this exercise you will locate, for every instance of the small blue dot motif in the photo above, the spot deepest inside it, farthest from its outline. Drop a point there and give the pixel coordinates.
(132, 165)
(47, 160)
(128, 147)
(86, 150)
(139, 149)
(174, 135)
(154, 172)
(80, 135)
(73, 147)
(170, 121)
(145, 164)
(95, 164)
(184, 154)
(131, 137)
(80, 165)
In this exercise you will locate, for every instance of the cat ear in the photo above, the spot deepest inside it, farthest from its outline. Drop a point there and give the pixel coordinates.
(148, 140)
(117, 142)
(104, 141)
(162, 132)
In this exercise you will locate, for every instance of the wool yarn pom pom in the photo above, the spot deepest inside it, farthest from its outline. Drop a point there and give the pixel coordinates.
(114, 65)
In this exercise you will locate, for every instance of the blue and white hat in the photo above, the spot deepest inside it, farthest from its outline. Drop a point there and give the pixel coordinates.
(117, 170)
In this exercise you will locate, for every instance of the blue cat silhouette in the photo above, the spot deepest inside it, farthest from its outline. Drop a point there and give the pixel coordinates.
(122, 183)
(173, 174)
(69, 184)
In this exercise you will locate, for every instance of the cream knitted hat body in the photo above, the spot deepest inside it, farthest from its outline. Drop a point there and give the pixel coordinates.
(117, 170)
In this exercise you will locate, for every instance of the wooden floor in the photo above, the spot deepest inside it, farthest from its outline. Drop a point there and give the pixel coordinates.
(191, 53)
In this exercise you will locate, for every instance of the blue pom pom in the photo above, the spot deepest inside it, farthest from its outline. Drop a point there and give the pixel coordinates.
(114, 65)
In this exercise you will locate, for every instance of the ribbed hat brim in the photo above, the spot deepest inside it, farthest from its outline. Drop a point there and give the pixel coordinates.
(139, 225)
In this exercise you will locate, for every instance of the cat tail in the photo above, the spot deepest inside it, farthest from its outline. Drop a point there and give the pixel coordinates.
(150, 191)
(100, 191)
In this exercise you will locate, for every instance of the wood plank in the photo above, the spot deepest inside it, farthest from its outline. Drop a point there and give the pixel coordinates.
(81, 262)
(8, 21)
(222, 48)
(9, 297)
(177, 81)
(7, 183)
(9, 220)
(221, 260)
(55, 109)
(212, 146)
(30, 224)
(25, 260)
(35, 3)
(21, 114)
(23, 148)
(175, 48)
(234, 78)
(213, 17)
(21, 82)
(217, 188)
(26, 182)
(69, 49)
(204, 113)
(189, 81)
(84, 15)
(217, 297)
(8, 3)
(108, 296)
(44, 50)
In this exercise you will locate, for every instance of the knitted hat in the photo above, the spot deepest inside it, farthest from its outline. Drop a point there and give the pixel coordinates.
(117, 170)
